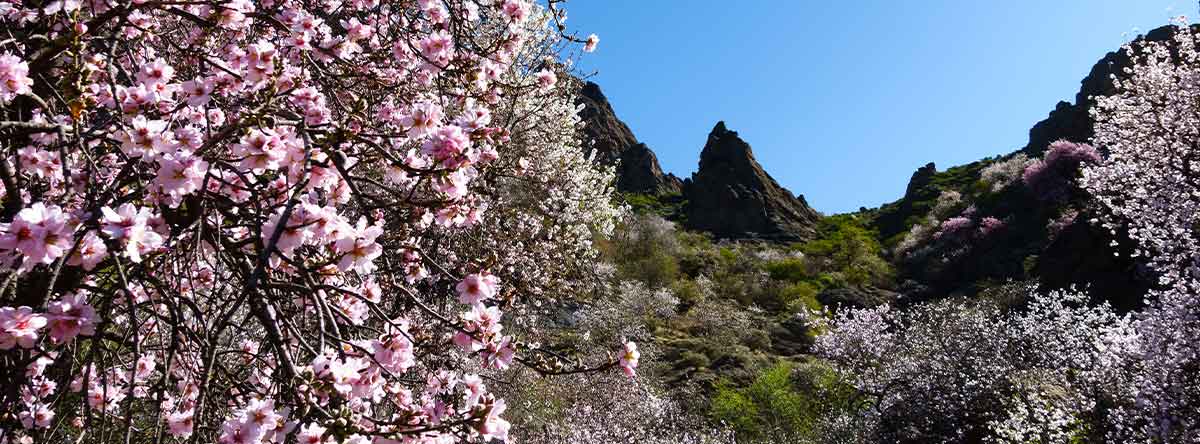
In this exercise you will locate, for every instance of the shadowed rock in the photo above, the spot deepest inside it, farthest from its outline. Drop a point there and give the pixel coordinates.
(732, 196)
(637, 166)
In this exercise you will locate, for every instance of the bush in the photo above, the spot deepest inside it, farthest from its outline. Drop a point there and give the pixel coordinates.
(801, 296)
(850, 251)
(794, 269)
(785, 403)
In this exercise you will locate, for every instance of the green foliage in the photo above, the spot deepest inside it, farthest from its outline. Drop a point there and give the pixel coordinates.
(801, 296)
(663, 205)
(688, 292)
(785, 403)
(850, 252)
(793, 269)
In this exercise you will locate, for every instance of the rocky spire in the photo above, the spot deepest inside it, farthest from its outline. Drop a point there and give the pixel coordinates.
(637, 167)
(732, 196)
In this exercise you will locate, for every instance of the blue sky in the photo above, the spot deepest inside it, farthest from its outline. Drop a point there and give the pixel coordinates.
(842, 100)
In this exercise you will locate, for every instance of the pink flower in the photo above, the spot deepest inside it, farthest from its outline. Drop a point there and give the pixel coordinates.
(591, 43)
(498, 354)
(953, 226)
(146, 137)
(546, 79)
(144, 368)
(358, 247)
(261, 150)
(342, 373)
(91, 252)
(629, 358)
(39, 232)
(198, 91)
(261, 414)
(477, 287)
(989, 225)
(128, 224)
(311, 434)
(19, 326)
(179, 424)
(239, 432)
(181, 174)
(493, 426)
(156, 73)
(515, 10)
(38, 416)
(438, 48)
(14, 77)
(71, 316)
(475, 390)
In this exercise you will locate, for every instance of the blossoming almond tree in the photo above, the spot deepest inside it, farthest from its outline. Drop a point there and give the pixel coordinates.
(283, 221)
(1059, 370)
(1149, 186)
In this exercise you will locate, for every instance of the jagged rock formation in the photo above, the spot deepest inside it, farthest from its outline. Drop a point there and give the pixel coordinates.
(892, 218)
(637, 167)
(732, 196)
(1025, 249)
(1071, 121)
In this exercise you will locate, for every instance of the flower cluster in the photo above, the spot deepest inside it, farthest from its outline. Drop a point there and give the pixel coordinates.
(1148, 187)
(249, 222)
(1053, 177)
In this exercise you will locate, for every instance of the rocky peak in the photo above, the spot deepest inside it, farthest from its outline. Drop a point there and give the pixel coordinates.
(1072, 121)
(732, 196)
(637, 166)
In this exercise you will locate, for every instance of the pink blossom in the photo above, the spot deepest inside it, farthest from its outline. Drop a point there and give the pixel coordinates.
(39, 232)
(179, 424)
(145, 137)
(129, 225)
(474, 390)
(954, 226)
(438, 47)
(71, 316)
(19, 327)
(475, 288)
(181, 174)
(156, 72)
(515, 10)
(91, 251)
(358, 247)
(311, 434)
(546, 79)
(629, 358)
(498, 354)
(38, 416)
(591, 43)
(493, 426)
(198, 91)
(14, 77)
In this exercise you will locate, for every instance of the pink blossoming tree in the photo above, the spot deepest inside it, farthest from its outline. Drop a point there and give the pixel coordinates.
(285, 221)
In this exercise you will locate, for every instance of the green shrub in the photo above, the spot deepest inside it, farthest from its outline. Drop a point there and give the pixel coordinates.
(848, 250)
(785, 403)
(794, 269)
(800, 296)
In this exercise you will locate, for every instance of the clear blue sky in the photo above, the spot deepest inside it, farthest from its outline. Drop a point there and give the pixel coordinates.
(842, 100)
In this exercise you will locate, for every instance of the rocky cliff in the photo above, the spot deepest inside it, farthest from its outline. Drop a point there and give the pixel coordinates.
(732, 196)
(1026, 249)
(637, 166)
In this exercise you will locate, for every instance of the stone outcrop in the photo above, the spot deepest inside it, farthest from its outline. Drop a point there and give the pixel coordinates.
(637, 166)
(732, 196)
(1071, 121)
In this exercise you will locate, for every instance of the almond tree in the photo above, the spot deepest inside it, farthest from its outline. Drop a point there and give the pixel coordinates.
(284, 221)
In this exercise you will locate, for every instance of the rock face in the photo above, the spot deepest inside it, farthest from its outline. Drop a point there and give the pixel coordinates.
(891, 219)
(1071, 121)
(732, 196)
(637, 167)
